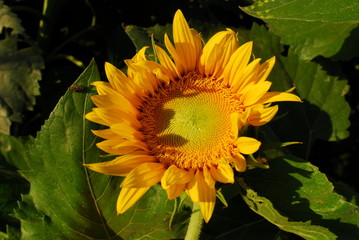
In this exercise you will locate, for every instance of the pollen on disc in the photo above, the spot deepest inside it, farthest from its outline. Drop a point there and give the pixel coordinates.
(188, 124)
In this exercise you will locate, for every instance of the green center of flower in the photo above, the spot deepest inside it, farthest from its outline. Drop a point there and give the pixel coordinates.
(187, 123)
(192, 120)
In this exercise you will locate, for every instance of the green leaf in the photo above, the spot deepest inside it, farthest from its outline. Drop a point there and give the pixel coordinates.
(12, 234)
(15, 150)
(346, 191)
(324, 113)
(141, 37)
(326, 108)
(265, 208)
(12, 185)
(237, 221)
(68, 201)
(10, 20)
(294, 195)
(9, 193)
(20, 70)
(312, 27)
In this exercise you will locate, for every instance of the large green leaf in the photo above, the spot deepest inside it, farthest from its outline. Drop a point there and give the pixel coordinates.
(68, 201)
(312, 27)
(294, 195)
(20, 70)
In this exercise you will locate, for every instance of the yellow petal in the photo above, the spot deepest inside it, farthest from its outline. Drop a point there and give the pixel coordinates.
(247, 77)
(208, 177)
(239, 162)
(222, 173)
(128, 146)
(115, 102)
(121, 146)
(144, 79)
(234, 123)
(113, 116)
(161, 75)
(175, 175)
(126, 131)
(207, 207)
(261, 115)
(247, 145)
(140, 55)
(252, 94)
(145, 175)
(199, 191)
(93, 117)
(115, 76)
(121, 83)
(265, 69)
(197, 186)
(128, 197)
(102, 101)
(197, 43)
(237, 62)
(217, 52)
(106, 133)
(121, 166)
(270, 97)
(176, 58)
(231, 46)
(174, 180)
(104, 88)
(110, 116)
(184, 42)
(175, 190)
(111, 142)
(209, 59)
(238, 120)
(107, 145)
(181, 30)
(167, 62)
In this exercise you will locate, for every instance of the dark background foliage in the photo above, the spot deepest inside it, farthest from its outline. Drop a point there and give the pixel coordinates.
(77, 31)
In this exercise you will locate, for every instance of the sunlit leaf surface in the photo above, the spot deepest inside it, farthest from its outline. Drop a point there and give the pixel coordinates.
(312, 27)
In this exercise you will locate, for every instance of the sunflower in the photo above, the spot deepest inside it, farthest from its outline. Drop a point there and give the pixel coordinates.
(178, 120)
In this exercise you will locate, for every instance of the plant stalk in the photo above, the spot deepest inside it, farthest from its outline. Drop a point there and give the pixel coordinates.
(195, 224)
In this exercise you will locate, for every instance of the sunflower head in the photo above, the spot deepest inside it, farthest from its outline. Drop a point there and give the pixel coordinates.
(178, 121)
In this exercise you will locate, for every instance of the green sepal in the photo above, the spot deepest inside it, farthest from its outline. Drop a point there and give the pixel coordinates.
(221, 197)
(259, 162)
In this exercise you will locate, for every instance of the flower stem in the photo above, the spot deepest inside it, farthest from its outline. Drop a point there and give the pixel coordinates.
(195, 224)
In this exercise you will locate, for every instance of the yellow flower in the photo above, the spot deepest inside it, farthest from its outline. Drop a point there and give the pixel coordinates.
(177, 122)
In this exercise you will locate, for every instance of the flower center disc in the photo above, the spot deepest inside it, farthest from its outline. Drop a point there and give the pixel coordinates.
(188, 124)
